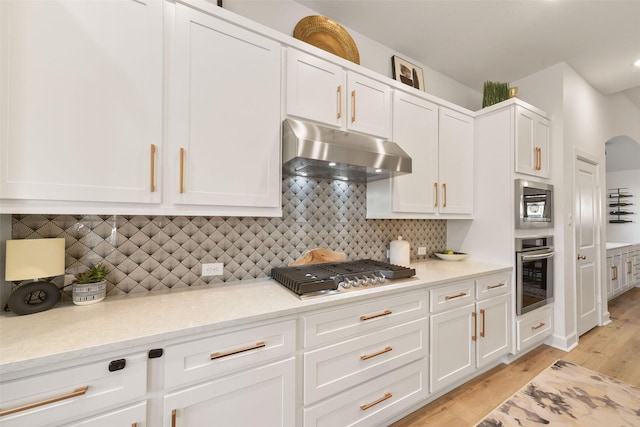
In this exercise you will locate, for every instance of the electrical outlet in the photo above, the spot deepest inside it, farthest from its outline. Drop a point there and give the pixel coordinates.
(422, 250)
(212, 269)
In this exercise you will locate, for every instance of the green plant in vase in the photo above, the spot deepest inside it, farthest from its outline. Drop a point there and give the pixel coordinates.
(494, 92)
(90, 286)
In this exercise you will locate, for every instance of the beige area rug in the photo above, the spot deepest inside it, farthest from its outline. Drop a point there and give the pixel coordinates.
(565, 394)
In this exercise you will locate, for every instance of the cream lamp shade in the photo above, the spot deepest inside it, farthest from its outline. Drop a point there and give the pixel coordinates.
(34, 259)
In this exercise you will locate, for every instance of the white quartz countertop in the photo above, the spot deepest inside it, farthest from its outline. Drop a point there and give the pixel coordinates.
(68, 331)
(616, 245)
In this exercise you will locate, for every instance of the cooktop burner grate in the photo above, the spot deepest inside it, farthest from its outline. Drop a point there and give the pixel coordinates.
(329, 277)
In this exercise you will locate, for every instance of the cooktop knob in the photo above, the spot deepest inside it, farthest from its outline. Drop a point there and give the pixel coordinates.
(344, 285)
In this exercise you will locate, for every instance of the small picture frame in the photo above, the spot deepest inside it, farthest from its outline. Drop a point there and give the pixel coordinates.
(407, 73)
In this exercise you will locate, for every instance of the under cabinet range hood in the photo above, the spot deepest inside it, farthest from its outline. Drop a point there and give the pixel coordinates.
(318, 151)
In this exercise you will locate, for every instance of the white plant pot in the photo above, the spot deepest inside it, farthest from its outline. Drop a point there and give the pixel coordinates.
(89, 293)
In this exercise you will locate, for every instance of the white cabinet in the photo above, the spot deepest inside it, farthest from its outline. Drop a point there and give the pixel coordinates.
(224, 117)
(237, 377)
(133, 416)
(533, 327)
(636, 266)
(455, 167)
(59, 396)
(470, 328)
(452, 350)
(321, 91)
(614, 270)
(365, 362)
(81, 103)
(440, 144)
(532, 144)
(260, 396)
(626, 261)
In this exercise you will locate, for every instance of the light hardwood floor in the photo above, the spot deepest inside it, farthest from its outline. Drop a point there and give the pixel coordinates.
(613, 350)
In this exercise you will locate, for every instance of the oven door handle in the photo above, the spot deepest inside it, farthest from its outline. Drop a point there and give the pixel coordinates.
(533, 257)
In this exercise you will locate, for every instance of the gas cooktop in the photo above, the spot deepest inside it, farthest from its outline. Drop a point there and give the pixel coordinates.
(333, 277)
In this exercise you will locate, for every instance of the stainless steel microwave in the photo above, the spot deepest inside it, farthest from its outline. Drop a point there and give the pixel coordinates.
(534, 204)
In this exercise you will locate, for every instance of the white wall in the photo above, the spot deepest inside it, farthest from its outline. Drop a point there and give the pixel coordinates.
(630, 232)
(283, 15)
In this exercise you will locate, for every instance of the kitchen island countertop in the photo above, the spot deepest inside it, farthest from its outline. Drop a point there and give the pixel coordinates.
(618, 245)
(68, 332)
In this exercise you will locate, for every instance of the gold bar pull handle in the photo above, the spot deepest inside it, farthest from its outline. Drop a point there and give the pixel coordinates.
(174, 415)
(340, 101)
(615, 272)
(444, 195)
(629, 269)
(75, 393)
(475, 327)
(450, 297)
(134, 425)
(369, 356)
(153, 169)
(435, 189)
(538, 326)
(240, 350)
(182, 154)
(353, 106)
(386, 396)
(482, 314)
(499, 285)
(373, 316)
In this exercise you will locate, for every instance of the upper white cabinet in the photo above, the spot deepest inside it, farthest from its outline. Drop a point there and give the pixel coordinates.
(532, 145)
(326, 93)
(224, 115)
(440, 144)
(81, 100)
(455, 167)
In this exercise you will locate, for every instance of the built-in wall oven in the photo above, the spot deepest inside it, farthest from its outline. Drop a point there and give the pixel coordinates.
(534, 273)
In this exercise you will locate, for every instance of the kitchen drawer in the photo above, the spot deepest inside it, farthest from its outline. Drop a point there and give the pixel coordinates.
(534, 327)
(373, 402)
(492, 286)
(356, 319)
(332, 369)
(82, 389)
(227, 352)
(452, 296)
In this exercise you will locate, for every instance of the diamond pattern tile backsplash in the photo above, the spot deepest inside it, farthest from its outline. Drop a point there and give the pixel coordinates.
(150, 253)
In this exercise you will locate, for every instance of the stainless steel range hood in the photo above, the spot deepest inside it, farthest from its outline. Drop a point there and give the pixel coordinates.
(317, 151)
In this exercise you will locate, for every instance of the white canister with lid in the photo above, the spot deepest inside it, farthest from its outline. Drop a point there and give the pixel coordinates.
(399, 252)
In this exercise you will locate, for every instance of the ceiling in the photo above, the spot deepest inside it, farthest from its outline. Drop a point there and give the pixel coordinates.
(476, 40)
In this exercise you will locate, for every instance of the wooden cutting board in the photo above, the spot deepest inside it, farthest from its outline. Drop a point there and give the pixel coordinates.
(319, 256)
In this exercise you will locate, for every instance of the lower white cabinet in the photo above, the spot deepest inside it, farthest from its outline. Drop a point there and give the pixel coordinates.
(262, 396)
(533, 327)
(470, 328)
(351, 378)
(134, 416)
(60, 396)
(235, 377)
(373, 402)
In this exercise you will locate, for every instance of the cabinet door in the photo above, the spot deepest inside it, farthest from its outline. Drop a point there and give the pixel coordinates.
(134, 416)
(532, 143)
(452, 347)
(224, 114)
(369, 105)
(316, 89)
(455, 170)
(263, 396)
(614, 271)
(494, 329)
(626, 272)
(415, 129)
(81, 102)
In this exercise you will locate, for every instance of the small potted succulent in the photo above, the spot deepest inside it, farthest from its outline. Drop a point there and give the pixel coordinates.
(90, 286)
